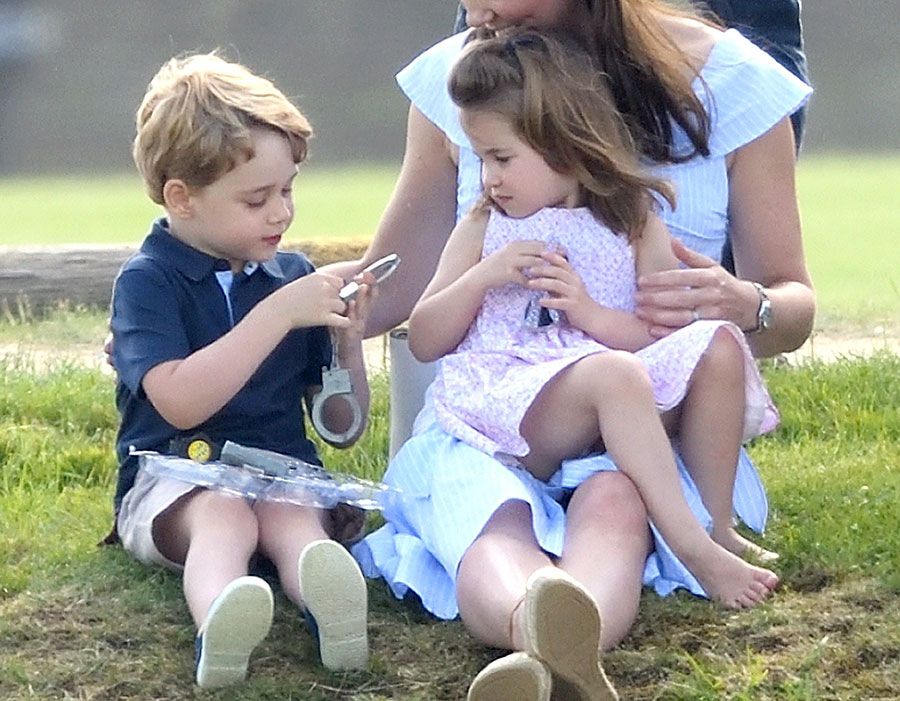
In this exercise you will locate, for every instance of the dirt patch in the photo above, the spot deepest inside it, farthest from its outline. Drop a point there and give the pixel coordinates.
(820, 347)
(828, 347)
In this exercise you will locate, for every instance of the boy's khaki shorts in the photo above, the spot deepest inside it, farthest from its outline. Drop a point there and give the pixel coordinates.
(147, 499)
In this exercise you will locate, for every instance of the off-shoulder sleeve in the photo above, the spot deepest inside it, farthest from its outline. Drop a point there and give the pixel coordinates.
(746, 91)
(425, 83)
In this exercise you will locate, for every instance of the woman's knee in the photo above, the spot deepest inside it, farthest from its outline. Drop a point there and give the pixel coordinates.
(613, 498)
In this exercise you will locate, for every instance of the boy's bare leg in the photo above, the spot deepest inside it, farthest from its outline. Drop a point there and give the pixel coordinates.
(711, 429)
(214, 535)
(284, 530)
(610, 394)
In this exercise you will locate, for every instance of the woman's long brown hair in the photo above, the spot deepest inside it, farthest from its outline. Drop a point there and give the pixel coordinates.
(650, 77)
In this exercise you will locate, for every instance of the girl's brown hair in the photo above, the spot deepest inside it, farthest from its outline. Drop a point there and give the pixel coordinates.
(559, 103)
(649, 75)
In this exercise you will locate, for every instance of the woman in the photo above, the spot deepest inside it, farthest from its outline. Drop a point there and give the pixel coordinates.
(730, 154)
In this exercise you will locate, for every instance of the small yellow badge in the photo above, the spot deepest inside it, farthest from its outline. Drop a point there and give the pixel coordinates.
(199, 450)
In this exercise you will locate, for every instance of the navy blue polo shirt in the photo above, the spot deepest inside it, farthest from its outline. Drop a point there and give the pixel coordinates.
(168, 303)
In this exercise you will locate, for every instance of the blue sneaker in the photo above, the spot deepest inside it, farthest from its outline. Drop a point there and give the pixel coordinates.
(237, 622)
(336, 600)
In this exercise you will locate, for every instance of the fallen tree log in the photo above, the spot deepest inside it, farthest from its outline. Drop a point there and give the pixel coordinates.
(35, 279)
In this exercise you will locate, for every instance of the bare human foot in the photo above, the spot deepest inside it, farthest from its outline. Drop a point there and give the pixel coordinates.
(735, 543)
(730, 581)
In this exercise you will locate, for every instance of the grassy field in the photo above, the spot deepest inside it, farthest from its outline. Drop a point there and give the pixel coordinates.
(79, 621)
(851, 222)
(82, 622)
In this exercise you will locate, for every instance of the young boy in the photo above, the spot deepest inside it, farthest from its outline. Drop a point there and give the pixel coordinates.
(216, 332)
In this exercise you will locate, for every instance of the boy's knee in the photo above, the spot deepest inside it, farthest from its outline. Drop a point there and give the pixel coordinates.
(224, 511)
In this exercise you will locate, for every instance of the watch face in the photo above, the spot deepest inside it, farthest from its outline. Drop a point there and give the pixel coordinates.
(765, 314)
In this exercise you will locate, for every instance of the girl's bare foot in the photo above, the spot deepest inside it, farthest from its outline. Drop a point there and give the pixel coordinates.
(730, 581)
(735, 543)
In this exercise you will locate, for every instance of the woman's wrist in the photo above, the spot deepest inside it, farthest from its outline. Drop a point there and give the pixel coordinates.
(763, 309)
(753, 294)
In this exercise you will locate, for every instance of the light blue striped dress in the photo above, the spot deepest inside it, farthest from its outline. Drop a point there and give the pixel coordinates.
(451, 489)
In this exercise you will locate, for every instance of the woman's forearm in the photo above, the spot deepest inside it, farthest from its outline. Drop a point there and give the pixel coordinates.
(418, 220)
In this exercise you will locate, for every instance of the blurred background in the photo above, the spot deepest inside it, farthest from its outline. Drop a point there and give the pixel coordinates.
(72, 72)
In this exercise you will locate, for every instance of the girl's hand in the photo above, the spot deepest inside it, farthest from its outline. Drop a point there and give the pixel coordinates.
(564, 287)
(512, 263)
(670, 299)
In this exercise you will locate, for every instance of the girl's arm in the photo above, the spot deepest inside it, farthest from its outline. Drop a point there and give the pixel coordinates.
(768, 249)
(448, 307)
(418, 219)
(188, 391)
(449, 304)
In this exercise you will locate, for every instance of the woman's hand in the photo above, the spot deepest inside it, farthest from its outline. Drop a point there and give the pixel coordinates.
(670, 299)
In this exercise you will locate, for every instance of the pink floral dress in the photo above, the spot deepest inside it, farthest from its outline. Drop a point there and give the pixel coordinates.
(484, 387)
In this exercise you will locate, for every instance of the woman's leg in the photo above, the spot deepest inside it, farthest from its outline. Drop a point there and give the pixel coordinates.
(606, 546)
(213, 534)
(613, 391)
(493, 572)
(710, 430)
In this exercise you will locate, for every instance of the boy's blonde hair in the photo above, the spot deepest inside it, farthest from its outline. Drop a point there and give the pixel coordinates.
(195, 119)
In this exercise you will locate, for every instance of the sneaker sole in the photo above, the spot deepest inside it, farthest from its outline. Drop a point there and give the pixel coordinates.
(516, 677)
(238, 621)
(335, 593)
(563, 631)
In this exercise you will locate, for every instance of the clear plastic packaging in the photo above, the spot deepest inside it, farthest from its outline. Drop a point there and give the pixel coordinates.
(271, 476)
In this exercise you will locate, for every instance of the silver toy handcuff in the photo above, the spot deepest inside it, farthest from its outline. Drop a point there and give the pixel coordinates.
(538, 317)
(335, 379)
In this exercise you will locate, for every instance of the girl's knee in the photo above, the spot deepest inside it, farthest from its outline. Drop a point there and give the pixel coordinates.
(620, 372)
(724, 354)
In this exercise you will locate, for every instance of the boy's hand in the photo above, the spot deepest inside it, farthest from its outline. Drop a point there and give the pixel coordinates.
(357, 311)
(310, 301)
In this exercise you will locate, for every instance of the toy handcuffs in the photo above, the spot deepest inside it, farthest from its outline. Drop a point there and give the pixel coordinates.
(335, 379)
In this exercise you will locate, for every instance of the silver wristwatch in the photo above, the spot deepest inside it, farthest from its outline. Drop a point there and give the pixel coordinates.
(764, 313)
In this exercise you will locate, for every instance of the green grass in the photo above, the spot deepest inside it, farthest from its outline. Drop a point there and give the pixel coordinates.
(848, 204)
(78, 621)
(850, 221)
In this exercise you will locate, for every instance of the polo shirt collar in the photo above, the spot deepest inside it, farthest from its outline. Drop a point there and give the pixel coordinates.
(193, 264)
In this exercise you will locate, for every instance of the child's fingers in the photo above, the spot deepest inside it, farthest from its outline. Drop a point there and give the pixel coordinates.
(556, 259)
(336, 320)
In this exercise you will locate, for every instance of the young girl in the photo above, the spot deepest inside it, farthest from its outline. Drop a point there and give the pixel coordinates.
(567, 215)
